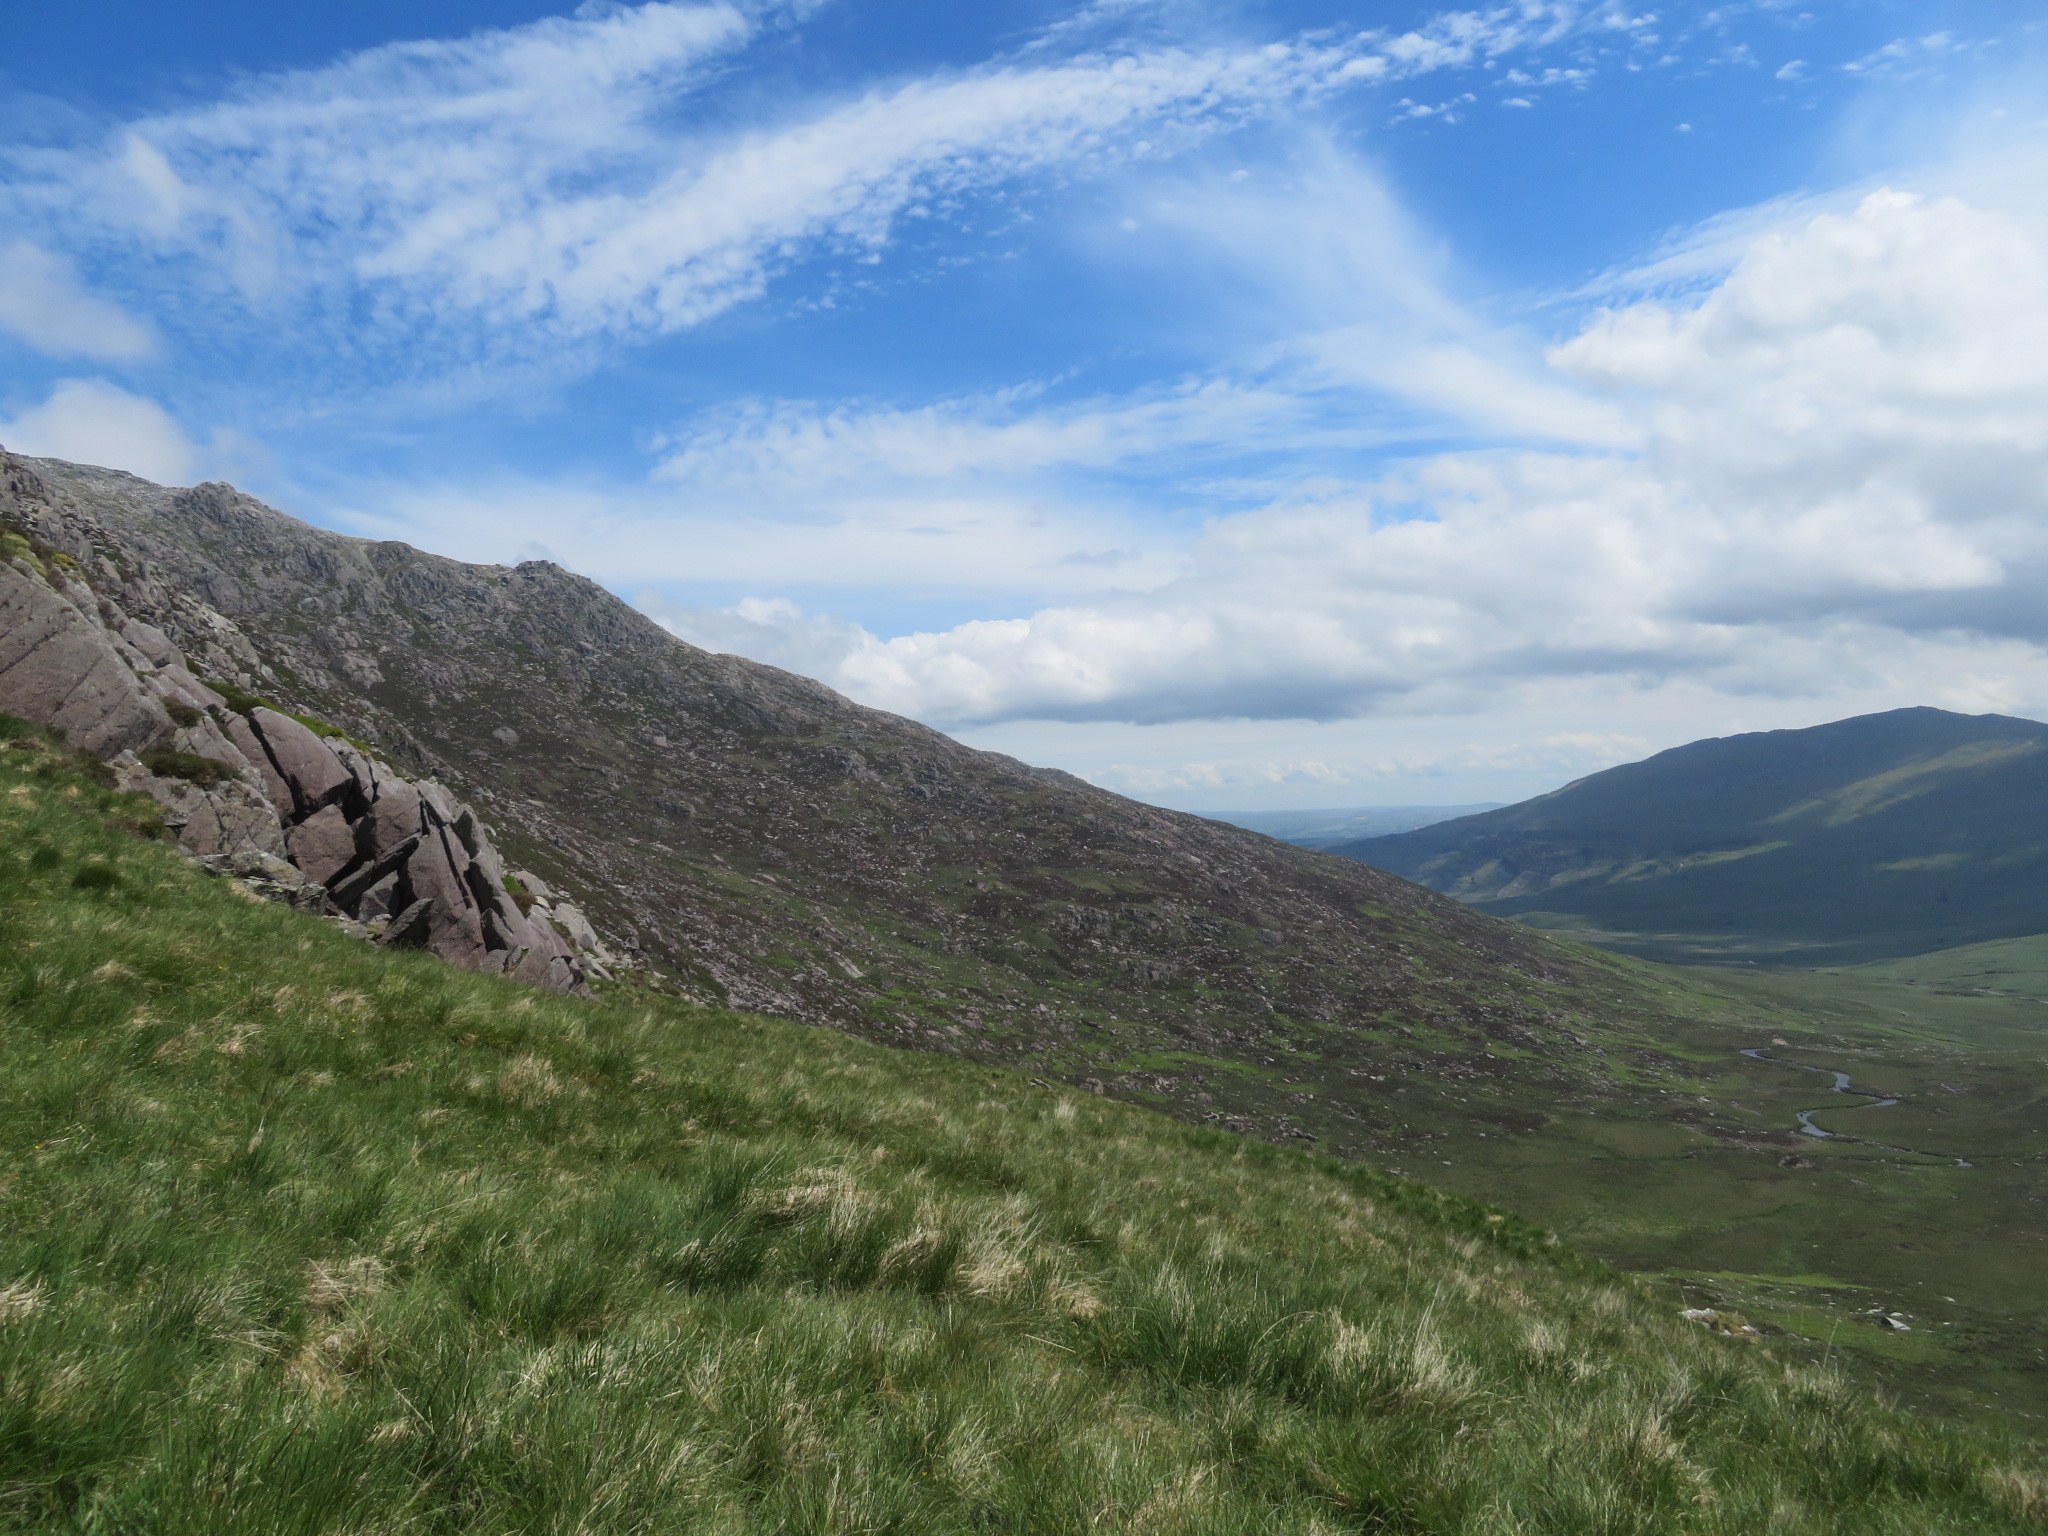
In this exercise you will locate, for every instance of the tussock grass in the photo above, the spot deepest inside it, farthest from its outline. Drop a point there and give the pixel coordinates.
(303, 1236)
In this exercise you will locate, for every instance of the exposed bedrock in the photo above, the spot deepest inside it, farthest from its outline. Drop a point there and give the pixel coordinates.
(255, 793)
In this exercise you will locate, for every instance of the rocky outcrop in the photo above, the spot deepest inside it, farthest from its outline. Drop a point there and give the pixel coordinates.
(60, 667)
(252, 792)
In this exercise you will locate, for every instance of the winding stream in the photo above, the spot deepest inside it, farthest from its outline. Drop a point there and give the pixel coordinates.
(1842, 1085)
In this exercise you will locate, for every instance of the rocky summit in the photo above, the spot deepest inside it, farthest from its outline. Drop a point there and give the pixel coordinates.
(740, 834)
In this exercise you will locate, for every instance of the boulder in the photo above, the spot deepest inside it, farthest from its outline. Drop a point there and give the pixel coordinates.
(219, 820)
(575, 927)
(353, 891)
(368, 773)
(306, 763)
(176, 682)
(536, 887)
(254, 864)
(153, 643)
(229, 819)
(548, 962)
(435, 871)
(411, 928)
(443, 803)
(395, 815)
(244, 736)
(207, 740)
(322, 845)
(379, 900)
(58, 668)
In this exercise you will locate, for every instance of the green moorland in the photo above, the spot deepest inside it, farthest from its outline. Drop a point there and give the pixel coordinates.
(1935, 1208)
(305, 1236)
(2000, 968)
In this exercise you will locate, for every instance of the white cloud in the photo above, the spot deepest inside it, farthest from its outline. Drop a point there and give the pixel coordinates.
(1327, 268)
(1005, 433)
(90, 421)
(1843, 477)
(43, 302)
(532, 190)
(772, 630)
(998, 542)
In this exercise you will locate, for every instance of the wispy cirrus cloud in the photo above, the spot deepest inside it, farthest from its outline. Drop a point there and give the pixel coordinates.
(539, 191)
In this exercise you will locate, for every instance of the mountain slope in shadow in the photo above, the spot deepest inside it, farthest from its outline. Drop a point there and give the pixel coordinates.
(1880, 836)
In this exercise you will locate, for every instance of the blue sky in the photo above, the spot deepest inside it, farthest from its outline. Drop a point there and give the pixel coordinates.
(1242, 405)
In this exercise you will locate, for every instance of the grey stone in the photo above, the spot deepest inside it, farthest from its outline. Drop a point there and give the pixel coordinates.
(307, 764)
(368, 773)
(378, 900)
(176, 682)
(394, 816)
(244, 736)
(254, 864)
(59, 668)
(230, 820)
(322, 845)
(575, 927)
(538, 888)
(207, 740)
(548, 959)
(153, 643)
(444, 804)
(220, 820)
(354, 891)
(435, 871)
(412, 928)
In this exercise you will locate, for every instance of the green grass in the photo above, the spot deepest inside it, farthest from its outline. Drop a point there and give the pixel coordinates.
(2013, 967)
(1704, 1179)
(304, 1236)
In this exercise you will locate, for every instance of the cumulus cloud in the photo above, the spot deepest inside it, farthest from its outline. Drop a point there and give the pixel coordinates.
(43, 302)
(90, 421)
(1839, 466)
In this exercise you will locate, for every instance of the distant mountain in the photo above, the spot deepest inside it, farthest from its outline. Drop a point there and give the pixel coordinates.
(1325, 829)
(1885, 835)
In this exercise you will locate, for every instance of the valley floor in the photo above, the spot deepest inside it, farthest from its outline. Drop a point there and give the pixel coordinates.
(1933, 1210)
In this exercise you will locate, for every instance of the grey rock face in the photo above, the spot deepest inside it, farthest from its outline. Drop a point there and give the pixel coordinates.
(59, 667)
(312, 774)
(322, 845)
(321, 825)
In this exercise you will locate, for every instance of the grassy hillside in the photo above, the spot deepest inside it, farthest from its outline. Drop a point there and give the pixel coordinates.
(2001, 967)
(1886, 835)
(305, 1236)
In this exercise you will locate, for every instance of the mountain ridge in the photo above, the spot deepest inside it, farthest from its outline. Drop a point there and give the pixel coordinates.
(1883, 835)
(776, 847)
